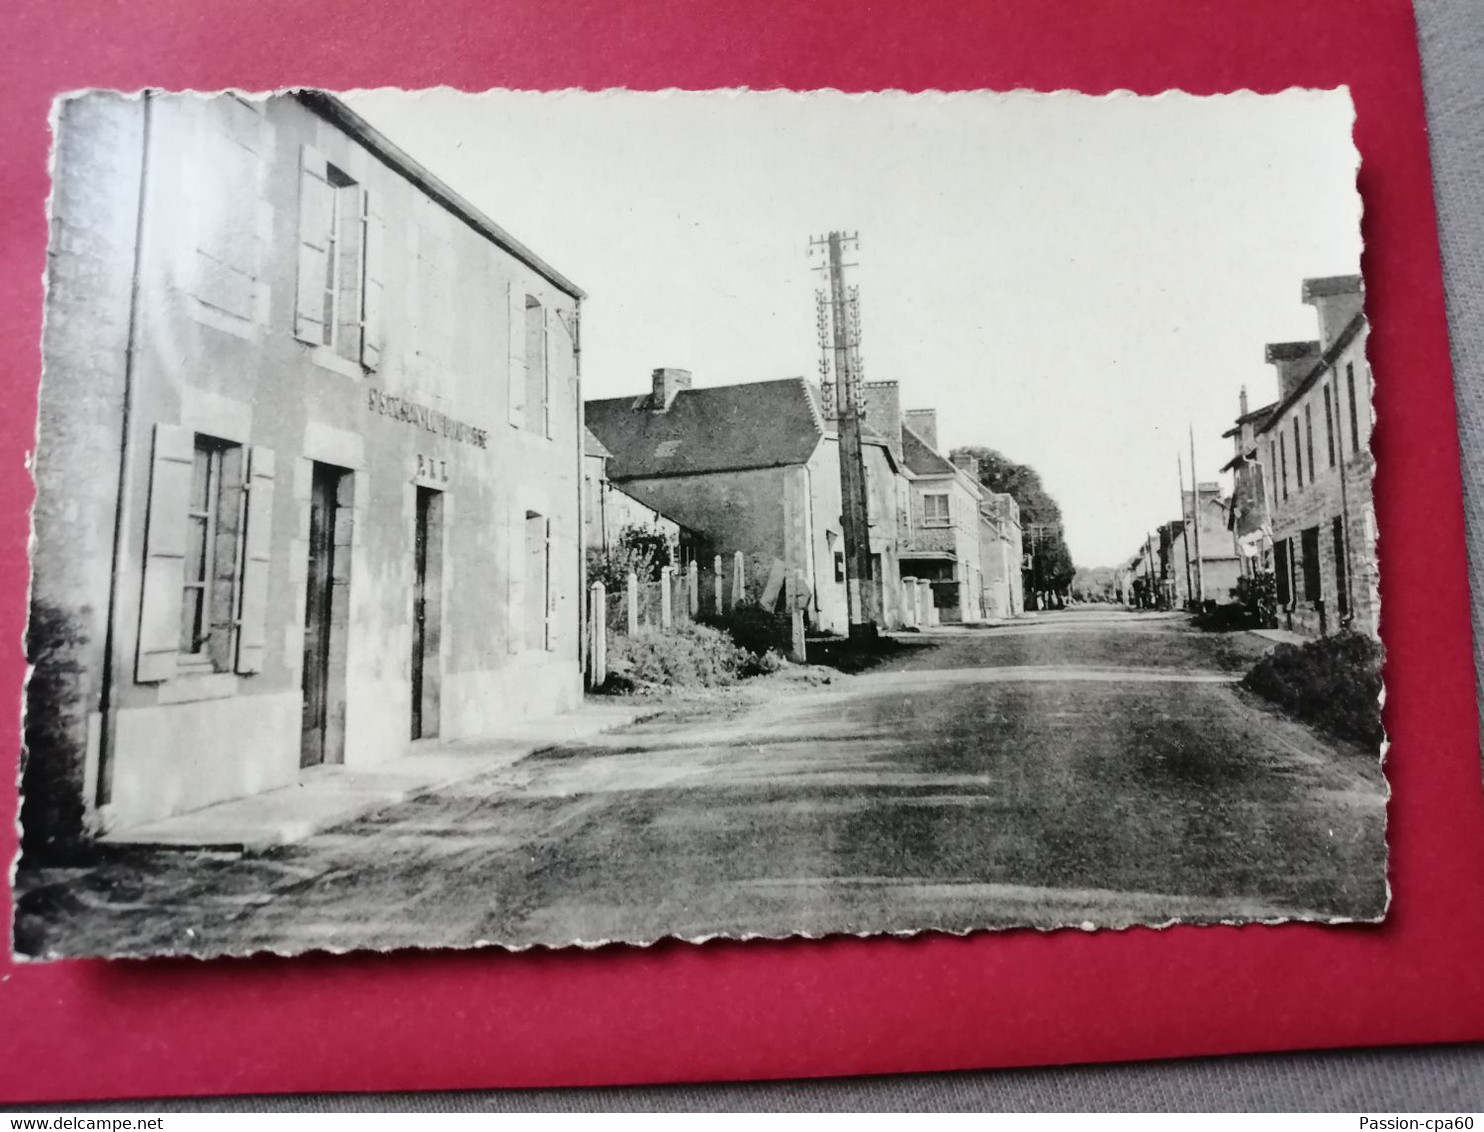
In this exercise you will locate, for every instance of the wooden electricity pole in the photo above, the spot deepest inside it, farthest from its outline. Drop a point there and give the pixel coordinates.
(840, 340)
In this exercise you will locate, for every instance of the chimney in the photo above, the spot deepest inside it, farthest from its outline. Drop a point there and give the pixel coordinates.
(1242, 402)
(884, 413)
(1293, 360)
(667, 383)
(968, 462)
(1338, 299)
(924, 422)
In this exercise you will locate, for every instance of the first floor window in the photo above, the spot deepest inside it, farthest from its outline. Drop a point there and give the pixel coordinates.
(1342, 568)
(213, 557)
(935, 510)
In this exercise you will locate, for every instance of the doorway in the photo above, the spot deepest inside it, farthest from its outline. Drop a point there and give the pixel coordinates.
(427, 612)
(326, 616)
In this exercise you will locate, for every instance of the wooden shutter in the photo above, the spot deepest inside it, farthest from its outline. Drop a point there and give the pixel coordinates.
(373, 271)
(515, 580)
(546, 386)
(550, 593)
(516, 385)
(316, 215)
(164, 553)
(252, 629)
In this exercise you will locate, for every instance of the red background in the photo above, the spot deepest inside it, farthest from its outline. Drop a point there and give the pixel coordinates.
(729, 1010)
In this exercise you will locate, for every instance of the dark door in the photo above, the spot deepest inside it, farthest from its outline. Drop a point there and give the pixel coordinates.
(427, 608)
(319, 589)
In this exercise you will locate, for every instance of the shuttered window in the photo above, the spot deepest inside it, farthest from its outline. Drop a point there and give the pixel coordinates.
(341, 263)
(515, 385)
(203, 606)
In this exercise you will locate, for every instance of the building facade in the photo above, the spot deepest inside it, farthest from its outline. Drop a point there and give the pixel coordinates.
(1002, 554)
(1208, 563)
(1317, 442)
(609, 512)
(1248, 513)
(308, 478)
(944, 545)
(754, 469)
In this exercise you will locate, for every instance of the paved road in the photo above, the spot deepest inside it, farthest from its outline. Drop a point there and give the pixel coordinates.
(1077, 768)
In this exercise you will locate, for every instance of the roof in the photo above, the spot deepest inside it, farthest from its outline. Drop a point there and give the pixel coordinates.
(1256, 415)
(763, 424)
(332, 110)
(1321, 364)
(922, 460)
(592, 446)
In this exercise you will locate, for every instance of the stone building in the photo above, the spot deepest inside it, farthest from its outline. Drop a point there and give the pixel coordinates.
(308, 473)
(1002, 555)
(1210, 563)
(1248, 513)
(943, 545)
(1317, 440)
(608, 511)
(754, 468)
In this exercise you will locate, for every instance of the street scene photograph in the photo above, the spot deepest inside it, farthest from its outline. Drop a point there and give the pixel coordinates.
(560, 519)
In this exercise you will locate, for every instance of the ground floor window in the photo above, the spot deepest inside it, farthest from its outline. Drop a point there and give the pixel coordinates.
(1309, 548)
(538, 581)
(213, 555)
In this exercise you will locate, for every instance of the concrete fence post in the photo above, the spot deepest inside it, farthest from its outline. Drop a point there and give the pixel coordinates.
(909, 602)
(798, 651)
(739, 581)
(718, 583)
(598, 633)
(667, 616)
(693, 588)
(633, 602)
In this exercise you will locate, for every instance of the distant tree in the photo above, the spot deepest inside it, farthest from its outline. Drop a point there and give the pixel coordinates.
(1052, 571)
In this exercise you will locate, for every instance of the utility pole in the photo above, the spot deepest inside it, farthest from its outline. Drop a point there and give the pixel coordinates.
(1185, 527)
(838, 317)
(1195, 517)
(1149, 562)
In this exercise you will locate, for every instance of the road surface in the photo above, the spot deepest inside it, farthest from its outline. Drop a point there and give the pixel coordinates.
(1082, 768)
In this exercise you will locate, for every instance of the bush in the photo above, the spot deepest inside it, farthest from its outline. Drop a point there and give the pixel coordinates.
(688, 657)
(1333, 683)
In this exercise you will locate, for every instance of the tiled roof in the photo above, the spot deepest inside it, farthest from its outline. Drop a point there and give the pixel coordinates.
(764, 424)
(920, 459)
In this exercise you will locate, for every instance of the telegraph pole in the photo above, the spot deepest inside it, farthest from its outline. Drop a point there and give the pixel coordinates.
(1195, 517)
(839, 329)
(1185, 527)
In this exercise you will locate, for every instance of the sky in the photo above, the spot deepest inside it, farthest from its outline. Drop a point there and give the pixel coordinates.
(1072, 280)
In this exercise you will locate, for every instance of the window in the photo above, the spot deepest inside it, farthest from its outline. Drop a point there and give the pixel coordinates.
(340, 268)
(208, 549)
(1354, 411)
(1272, 470)
(839, 566)
(213, 558)
(1329, 425)
(537, 629)
(1309, 549)
(1309, 439)
(1298, 458)
(1283, 461)
(1283, 570)
(935, 511)
(538, 408)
